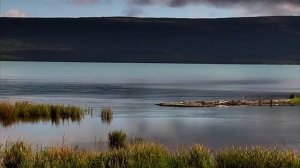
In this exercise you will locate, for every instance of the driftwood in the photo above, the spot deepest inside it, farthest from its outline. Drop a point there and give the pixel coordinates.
(222, 103)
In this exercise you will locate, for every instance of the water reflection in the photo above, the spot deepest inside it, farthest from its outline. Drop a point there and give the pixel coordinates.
(33, 120)
(213, 127)
(107, 115)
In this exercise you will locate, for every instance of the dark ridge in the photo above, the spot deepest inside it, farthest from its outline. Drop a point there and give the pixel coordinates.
(260, 40)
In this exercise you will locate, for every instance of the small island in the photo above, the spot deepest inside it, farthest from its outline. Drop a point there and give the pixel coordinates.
(243, 102)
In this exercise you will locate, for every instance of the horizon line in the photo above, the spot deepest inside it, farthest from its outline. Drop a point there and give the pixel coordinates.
(138, 17)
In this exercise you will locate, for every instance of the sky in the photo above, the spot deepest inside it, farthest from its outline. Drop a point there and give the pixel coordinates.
(149, 8)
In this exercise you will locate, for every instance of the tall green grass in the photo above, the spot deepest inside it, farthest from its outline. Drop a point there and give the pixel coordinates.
(147, 155)
(257, 157)
(296, 100)
(195, 157)
(30, 112)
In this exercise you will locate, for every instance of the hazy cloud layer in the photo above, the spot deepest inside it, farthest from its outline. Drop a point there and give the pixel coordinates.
(276, 9)
(220, 3)
(250, 7)
(241, 7)
(15, 13)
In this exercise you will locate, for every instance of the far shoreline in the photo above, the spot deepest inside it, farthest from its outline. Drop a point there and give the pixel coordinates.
(132, 62)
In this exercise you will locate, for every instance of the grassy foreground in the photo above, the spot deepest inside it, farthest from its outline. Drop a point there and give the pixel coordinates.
(145, 155)
(25, 111)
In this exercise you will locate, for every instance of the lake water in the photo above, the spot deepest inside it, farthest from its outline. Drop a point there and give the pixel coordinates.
(131, 90)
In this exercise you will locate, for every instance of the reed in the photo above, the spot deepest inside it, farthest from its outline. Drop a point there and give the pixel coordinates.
(147, 155)
(27, 111)
(195, 157)
(117, 139)
(257, 157)
(62, 157)
(18, 154)
(106, 115)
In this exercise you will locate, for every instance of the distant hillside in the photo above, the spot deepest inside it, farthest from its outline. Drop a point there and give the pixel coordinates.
(261, 40)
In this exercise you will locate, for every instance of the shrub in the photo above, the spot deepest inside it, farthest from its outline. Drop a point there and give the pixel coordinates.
(292, 96)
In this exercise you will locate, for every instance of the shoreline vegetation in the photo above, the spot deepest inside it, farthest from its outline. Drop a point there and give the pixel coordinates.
(295, 101)
(24, 111)
(138, 153)
(146, 155)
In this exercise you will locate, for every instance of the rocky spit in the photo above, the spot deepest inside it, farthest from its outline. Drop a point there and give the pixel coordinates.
(225, 103)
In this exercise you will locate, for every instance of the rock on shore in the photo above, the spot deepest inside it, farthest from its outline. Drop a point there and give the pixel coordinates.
(222, 103)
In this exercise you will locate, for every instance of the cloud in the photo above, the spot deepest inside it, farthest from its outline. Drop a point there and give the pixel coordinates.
(15, 13)
(179, 3)
(272, 7)
(84, 2)
(271, 10)
(284, 9)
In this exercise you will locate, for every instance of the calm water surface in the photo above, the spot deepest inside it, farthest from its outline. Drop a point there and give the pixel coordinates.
(131, 90)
